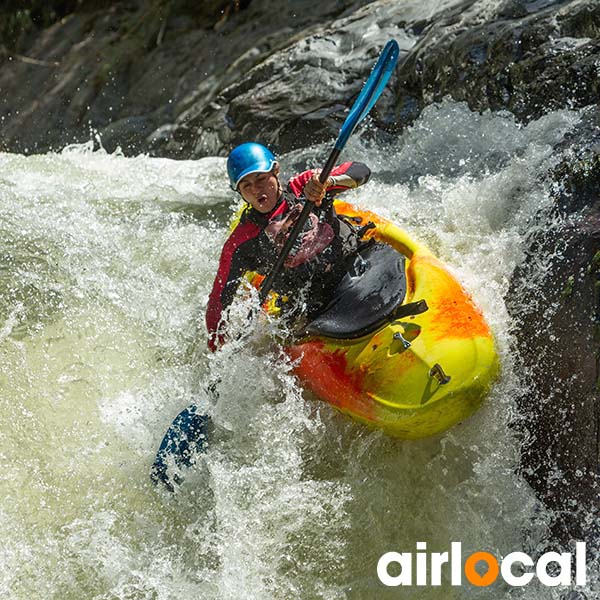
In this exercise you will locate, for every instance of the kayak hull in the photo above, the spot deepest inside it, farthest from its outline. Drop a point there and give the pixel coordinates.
(415, 376)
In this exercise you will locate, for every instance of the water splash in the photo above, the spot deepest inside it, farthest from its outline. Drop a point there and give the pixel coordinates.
(106, 266)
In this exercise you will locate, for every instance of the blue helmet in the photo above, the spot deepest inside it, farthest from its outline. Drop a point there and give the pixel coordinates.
(249, 158)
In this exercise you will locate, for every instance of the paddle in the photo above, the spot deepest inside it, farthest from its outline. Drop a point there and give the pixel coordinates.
(186, 435)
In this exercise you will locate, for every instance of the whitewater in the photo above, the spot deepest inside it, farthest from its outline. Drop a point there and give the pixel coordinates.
(106, 263)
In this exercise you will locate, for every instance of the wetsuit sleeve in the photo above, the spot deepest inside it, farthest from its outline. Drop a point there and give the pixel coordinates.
(232, 266)
(347, 176)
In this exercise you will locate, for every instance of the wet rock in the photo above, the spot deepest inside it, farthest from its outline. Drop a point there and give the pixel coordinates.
(300, 95)
(112, 67)
(76, 77)
(209, 75)
(527, 57)
(554, 300)
(130, 133)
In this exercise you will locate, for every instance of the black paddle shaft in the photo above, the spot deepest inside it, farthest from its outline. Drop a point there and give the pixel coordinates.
(267, 284)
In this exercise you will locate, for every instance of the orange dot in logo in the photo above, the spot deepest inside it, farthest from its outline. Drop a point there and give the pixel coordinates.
(489, 576)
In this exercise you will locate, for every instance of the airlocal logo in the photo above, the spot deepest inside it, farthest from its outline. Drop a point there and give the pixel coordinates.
(428, 567)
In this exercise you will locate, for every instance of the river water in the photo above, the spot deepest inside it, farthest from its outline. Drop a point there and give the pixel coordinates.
(106, 264)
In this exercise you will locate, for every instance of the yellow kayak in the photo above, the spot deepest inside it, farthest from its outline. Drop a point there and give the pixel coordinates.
(418, 371)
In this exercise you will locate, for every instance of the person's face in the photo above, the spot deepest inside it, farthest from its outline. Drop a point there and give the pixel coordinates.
(261, 190)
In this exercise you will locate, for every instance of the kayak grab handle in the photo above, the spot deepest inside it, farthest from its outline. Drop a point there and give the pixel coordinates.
(437, 372)
(409, 310)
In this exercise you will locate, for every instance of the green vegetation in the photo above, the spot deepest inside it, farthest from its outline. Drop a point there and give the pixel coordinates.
(595, 264)
(568, 289)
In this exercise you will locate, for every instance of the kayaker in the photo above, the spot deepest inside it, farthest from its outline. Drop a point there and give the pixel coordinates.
(317, 261)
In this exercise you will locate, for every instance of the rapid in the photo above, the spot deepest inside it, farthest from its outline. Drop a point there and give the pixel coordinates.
(105, 267)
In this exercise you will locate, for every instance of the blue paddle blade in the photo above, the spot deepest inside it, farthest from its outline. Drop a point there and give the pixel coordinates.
(185, 438)
(370, 92)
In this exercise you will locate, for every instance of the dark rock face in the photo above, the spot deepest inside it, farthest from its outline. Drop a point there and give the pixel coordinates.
(527, 57)
(131, 68)
(555, 301)
(297, 96)
(188, 79)
(79, 75)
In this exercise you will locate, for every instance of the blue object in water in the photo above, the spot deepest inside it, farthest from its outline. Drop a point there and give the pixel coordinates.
(185, 438)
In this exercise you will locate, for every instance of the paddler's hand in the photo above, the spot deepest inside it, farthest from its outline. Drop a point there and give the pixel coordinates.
(314, 190)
